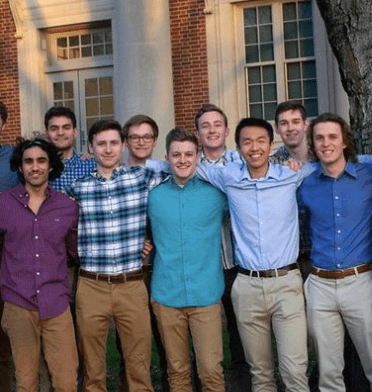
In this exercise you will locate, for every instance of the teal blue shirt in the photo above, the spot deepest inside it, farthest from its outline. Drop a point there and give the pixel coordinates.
(186, 227)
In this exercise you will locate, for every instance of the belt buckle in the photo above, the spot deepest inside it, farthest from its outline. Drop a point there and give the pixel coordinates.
(109, 279)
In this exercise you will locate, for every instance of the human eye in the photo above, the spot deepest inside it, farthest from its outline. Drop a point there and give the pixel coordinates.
(148, 138)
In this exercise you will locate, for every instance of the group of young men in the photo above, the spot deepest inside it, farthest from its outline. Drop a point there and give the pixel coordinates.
(207, 204)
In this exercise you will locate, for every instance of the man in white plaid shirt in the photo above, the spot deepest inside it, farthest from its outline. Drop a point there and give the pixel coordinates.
(112, 221)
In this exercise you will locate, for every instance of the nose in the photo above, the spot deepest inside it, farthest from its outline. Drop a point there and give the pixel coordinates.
(59, 131)
(254, 145)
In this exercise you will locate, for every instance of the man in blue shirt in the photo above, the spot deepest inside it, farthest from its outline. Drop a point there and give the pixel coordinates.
(267, 293)
(187, 282)
(337, 202)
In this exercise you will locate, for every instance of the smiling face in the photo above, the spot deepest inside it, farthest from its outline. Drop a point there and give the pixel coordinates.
(140, 142)
(212, 132)
(62, 134)
(255, 148)
(292, 128)
(329, 144)
(183, 158)
(35, 167)
(107, 148)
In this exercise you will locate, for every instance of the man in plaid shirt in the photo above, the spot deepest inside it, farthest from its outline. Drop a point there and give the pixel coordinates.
(112, 221)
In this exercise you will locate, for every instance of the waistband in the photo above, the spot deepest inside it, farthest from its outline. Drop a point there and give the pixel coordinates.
(339, 274)
(119, 278)
(272, 273)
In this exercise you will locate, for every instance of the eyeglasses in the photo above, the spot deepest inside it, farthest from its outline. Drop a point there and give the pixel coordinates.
(136, 138)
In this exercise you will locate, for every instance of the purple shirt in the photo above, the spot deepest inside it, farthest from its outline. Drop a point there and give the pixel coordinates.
(34, 259)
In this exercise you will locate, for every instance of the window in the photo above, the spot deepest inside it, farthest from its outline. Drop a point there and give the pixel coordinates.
(279, 58)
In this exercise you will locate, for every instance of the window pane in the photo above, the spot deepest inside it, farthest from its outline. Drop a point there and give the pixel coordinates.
(268, 74)
(91, 121)
(289, 11)
(255, 94)
(86, 52)
(307, 48)
(270, 110)
(267, 52)
(266, 34)
(304, 10)
(269, 92)
(69, 90)
(91, 87)
(310, 89)
(293, 71)
(74, 40)
(264, 14)
(290, 30)
(251, 54)
(250, 35)
(250, 18)
(109, 49)
(105, 86)
(92, 107)
(254, 75)
(57, 91)
(108, 37)
(294, 90)
(74, 53)
(86, 39)
(291, 50)
(98, 37)
(311, 106)
(306, 28)
(98, 50)
(62, 54)
(255, 111)
(62, 42)
(70, 105)
(309, 70)
(107, 106)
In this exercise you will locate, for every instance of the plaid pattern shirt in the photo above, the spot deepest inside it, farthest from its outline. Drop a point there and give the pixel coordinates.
(227, 251)
(74, 168)
(112, 218)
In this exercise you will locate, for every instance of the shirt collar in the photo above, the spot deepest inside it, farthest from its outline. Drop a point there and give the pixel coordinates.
(272, 172)
(72, 160)
(350, 169)
(221, 159)
(114, 174)
(22, 191)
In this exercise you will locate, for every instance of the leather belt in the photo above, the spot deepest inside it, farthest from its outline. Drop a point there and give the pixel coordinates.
(339, 274)
(120, 278)
(273, 273)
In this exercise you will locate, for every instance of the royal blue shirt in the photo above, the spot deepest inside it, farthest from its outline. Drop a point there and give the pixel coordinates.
(186, 227)
(339, 213)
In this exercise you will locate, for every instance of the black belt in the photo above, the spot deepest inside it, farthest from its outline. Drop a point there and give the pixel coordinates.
(272, 273)
(120, 278)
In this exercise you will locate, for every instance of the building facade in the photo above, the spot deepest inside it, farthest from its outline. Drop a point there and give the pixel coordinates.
(163, 58)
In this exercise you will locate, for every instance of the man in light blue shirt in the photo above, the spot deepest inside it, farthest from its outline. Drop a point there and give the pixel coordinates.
(267, 294)
(337, 203)
(187, 283)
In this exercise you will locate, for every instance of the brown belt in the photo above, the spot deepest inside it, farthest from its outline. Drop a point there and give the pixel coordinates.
(121, 278)
(339, 274)
(273, 273)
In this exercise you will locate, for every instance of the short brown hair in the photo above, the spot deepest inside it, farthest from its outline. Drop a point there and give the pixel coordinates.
(350, 152)
(205, 108)
(138, 120)
(289, 105)
(180, 135)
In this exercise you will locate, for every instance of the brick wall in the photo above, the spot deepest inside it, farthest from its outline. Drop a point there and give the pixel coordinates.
(189, 59)
(9, 88)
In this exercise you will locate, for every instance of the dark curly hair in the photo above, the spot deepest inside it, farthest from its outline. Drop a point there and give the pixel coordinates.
(55, 160)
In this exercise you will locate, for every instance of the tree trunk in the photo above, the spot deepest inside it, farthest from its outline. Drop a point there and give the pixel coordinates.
(349, 28)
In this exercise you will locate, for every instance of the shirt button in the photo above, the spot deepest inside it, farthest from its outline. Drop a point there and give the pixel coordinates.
(336, 197)
(37, 273)
(37, 255)
(338, 231)
(38, 291)
(338, 214)
(35, 219)
(338, 248)
(339, 265)
(36, 237)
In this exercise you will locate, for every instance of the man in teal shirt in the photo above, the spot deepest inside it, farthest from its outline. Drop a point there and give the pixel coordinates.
(188, 282)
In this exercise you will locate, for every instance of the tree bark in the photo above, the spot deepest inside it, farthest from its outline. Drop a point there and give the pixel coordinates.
(349, 28)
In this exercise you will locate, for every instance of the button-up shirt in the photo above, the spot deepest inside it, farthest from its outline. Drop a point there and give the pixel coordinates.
(187, 224)
(227, 251)
(112, 218)
(8, 178)
(34, 257)
(339, 213)
(74, 168)
(263, 211)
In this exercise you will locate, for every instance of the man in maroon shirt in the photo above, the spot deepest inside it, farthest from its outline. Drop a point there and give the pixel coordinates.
(39, 227)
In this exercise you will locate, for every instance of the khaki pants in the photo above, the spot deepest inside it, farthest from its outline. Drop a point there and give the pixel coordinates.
(333, 304)
(27, 332)
(128, 304)
(6, 374)
(205, 325)
(263, 305)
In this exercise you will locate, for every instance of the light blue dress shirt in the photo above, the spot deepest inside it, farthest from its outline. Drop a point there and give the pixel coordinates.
(339, 212)
(186, 227)
(263, 211)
